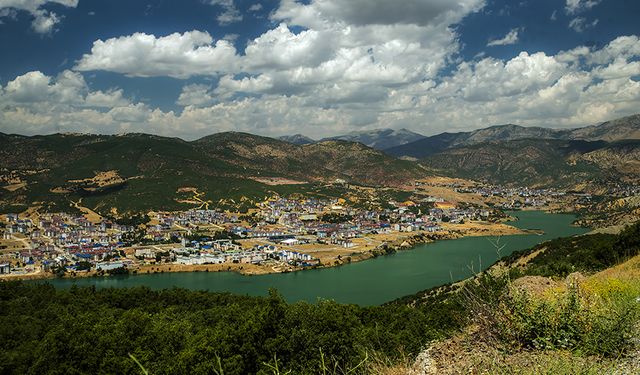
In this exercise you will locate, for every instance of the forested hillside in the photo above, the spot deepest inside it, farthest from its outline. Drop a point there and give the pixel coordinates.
(144, 172)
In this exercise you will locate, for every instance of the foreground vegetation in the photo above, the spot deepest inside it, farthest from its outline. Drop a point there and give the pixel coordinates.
(83, 330)
(570, 305)
(565, 306)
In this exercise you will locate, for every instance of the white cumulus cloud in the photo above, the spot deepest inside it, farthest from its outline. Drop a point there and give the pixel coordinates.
(325, 68)
(175, 55)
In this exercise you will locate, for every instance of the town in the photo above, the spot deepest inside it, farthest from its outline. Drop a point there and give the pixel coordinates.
(280, 234)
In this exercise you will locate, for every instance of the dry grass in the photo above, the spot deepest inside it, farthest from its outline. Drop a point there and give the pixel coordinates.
(607, 303)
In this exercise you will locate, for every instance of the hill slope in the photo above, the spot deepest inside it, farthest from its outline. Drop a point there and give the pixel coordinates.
(437, 143)
(624, 128)
(321, 161)
(140, 171)
(540, 162)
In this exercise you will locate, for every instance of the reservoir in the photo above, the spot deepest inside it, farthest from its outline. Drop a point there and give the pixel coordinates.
(369, 282)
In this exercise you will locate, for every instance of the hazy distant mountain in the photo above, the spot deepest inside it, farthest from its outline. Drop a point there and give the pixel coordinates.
(615, 130)
(437, 143)
(509, 132)
(297, 139)
(380, 139)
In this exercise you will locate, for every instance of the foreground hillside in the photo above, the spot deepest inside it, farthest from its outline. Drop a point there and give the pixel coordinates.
(565, 306)
(90, 331)
(146, 172)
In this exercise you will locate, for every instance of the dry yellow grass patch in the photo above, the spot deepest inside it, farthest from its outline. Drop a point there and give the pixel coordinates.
(14, 187)
(89, 214)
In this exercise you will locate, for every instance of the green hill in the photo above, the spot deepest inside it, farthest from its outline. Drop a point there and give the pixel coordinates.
(540, 162)
(140, 171)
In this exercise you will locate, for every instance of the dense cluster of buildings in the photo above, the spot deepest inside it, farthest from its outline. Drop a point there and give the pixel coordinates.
(278, 225)
(521, 197)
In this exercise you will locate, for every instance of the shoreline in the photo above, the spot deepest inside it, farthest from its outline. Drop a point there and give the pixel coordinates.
(403, 241)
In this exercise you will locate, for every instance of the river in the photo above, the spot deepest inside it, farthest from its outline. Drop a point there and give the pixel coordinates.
(369, 282)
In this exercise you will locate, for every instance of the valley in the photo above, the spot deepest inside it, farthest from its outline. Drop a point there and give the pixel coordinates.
(255, 205)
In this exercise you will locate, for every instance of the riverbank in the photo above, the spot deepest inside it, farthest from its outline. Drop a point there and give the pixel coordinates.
(363, 248)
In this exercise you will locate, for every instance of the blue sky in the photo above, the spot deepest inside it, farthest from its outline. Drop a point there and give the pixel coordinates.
(319, 67)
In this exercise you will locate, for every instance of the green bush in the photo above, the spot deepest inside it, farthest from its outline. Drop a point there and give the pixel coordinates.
(571, 320)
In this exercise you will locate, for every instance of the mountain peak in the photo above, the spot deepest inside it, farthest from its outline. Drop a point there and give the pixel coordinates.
(297, 139)
(380, 139)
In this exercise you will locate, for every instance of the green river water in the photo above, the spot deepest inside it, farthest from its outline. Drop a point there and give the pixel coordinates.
(369, 282)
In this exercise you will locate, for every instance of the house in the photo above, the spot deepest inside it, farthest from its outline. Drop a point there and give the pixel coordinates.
(5, 268)
(347, 244)
(107, 266)
(145, 253)
(290, 242)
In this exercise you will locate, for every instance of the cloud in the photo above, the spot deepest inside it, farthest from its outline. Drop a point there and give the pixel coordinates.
(33, 5)
(43, 20)
(67, 88)
(578, 6)
(322, 71)
(255, 7)
(231, 37)
(623, 47)
(572, 88)
(251, 85)
(511, 38)
(109, 99)
(175, 55)
(279, 48)
(196, 95)
(580, 24)
(370, 47)
(230, 14)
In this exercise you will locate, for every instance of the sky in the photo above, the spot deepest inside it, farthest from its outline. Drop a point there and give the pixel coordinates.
(316, 67)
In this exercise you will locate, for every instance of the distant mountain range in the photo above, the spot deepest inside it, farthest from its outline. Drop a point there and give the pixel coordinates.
(610, 131)
(380, 139)
(407, 143)
(297, 139)
(604, 154)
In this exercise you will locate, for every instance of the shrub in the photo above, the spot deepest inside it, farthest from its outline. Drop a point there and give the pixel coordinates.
(570, 320)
